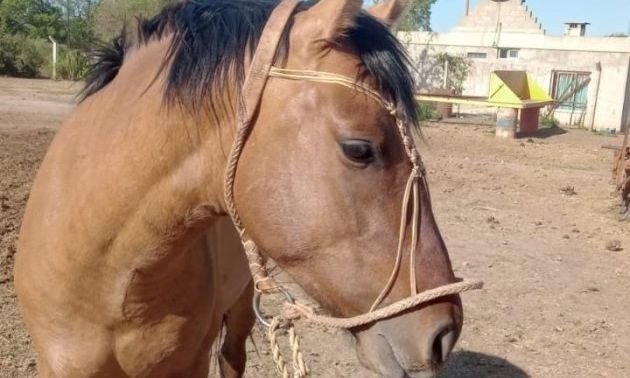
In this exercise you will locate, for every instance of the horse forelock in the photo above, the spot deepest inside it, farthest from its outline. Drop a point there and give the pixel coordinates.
(212, 39)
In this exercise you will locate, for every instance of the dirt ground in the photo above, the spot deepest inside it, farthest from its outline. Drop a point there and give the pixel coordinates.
(531, 217)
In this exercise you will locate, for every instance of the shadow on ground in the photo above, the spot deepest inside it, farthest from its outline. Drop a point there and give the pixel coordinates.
(466, 364)
(543, 133)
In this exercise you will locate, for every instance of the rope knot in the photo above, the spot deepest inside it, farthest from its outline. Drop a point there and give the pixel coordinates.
(295, 311)
(265, 284)
(249, 246)
(415, 171)
(280, 323)
(262, 282)
(421, 170)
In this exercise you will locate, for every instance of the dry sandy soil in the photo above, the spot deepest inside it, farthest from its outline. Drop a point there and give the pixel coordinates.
(532, 217)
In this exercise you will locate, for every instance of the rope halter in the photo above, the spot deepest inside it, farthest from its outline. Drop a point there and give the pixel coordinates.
(411, 202)
(260, 71)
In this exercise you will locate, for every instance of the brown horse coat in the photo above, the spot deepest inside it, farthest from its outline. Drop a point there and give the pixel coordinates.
(124, 251)
(127, 263)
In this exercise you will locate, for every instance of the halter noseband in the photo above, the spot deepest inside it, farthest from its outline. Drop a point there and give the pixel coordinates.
(260, 71)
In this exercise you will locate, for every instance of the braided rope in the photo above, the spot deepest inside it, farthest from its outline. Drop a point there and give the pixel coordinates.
(300, 369)
(299, 365)
(399, 251)
(276, 355)
(252, 92)
(294, 311)
(331, 78)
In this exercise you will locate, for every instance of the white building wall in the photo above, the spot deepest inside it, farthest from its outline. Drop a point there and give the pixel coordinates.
(540, 55)
(626, 110)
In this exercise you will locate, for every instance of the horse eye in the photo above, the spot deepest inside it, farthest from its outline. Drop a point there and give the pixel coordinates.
(358, 151)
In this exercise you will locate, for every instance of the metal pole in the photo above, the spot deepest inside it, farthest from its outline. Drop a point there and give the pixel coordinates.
(467, 9)
(598, 77)
(54, 58)
(497, 31)
(445, 84)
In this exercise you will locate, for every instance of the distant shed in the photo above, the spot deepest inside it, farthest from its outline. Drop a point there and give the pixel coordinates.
(591, 75)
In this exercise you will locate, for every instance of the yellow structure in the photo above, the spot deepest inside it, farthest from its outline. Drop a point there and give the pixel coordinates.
(508, 89)
(511, 92)
(516, 89)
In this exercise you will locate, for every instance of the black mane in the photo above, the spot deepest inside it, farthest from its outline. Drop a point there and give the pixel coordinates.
(212, 38)
(108, 58)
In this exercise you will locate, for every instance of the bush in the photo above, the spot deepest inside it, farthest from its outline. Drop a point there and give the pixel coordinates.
(458, 69)
(549, 122)
(8, 53)
(427, 112)
(73, 65)
(22, 56)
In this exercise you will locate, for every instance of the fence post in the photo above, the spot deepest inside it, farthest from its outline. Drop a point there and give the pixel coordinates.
(54, 57)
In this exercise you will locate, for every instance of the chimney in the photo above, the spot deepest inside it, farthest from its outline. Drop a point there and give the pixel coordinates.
(575, 29)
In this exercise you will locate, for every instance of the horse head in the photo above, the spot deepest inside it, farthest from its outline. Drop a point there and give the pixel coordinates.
(322, 176)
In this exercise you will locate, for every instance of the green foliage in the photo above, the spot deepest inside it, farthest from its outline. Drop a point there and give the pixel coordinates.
(458, 70)
(418, 17)
(549, 122)
(8, 54)
(26, 25)
(78, 22)
(427, 112)
(22, 56)
(111, 15)
(33, 18)
(73, 65)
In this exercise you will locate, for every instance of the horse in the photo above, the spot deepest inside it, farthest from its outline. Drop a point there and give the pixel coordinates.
(128, 262)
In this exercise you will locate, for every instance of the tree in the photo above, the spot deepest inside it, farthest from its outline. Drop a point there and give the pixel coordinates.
(112, 15)
(78, 20)
(25, 26)
(32, 18)
(418, 16)
(458, 70)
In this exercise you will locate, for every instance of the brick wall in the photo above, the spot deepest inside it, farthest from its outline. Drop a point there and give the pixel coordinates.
(513, 15)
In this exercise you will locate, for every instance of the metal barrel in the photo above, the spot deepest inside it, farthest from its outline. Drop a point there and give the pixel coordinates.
(507, 119)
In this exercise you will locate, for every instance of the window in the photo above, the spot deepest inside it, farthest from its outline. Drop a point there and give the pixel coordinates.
(508, 53)
(571, 89)
(477, 55)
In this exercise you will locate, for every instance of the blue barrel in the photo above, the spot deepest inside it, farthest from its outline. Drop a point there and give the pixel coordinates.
(507, 120)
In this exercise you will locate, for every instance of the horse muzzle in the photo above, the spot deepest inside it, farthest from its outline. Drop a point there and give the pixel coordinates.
(413, 344)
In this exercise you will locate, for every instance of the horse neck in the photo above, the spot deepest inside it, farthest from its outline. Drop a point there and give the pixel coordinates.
(174, 159)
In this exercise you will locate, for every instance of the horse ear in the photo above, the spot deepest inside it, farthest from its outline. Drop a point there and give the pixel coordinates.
(390, 11)
(329, 19)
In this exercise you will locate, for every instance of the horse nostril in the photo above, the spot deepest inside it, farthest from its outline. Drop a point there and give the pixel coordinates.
(443, 343)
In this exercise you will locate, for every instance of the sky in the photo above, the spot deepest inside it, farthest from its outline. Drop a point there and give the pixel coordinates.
(605, 16)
